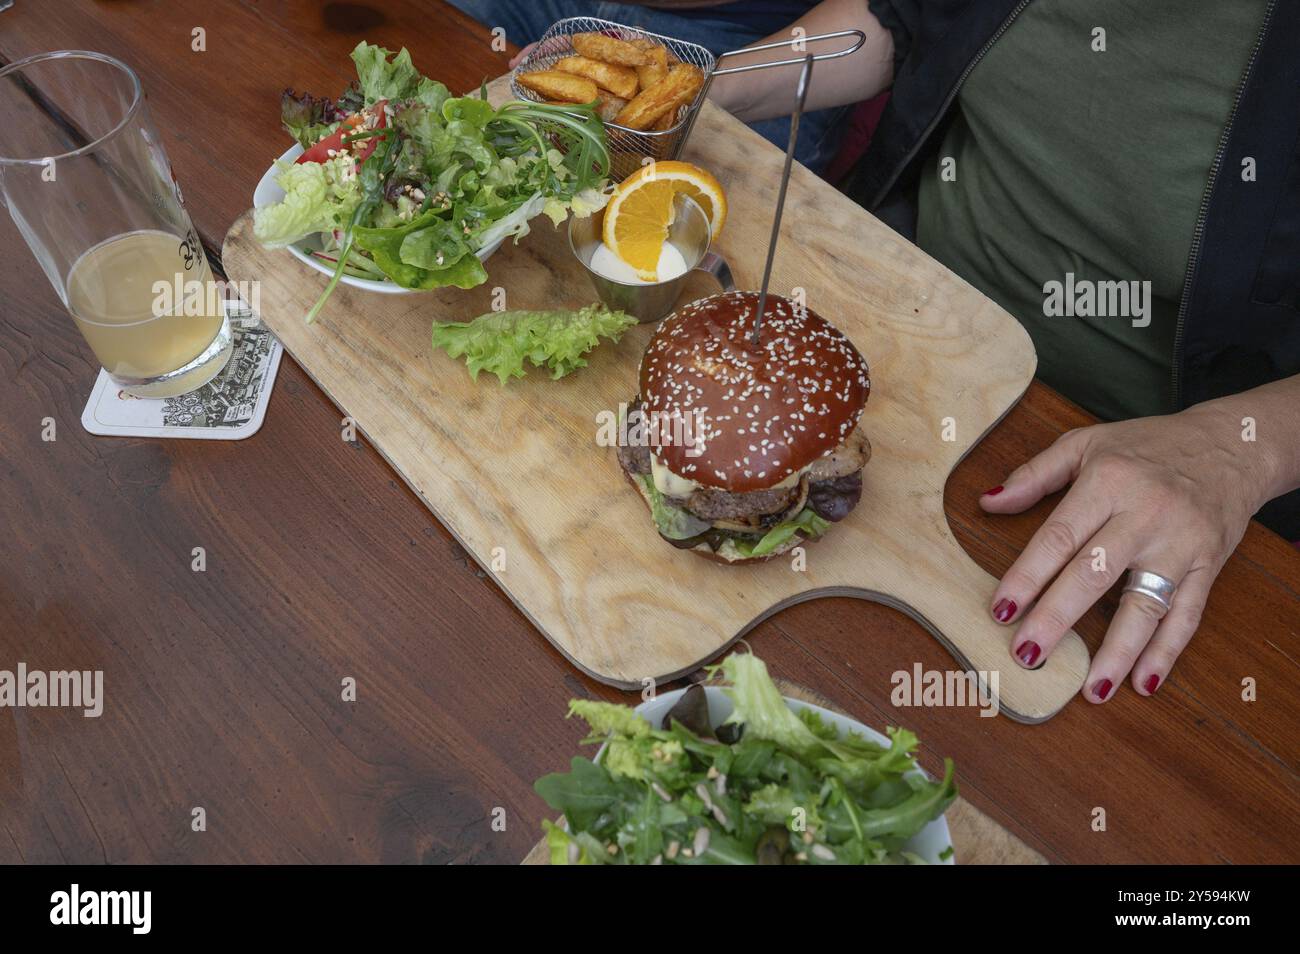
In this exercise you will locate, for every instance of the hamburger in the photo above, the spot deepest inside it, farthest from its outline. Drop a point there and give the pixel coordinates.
(744, 450)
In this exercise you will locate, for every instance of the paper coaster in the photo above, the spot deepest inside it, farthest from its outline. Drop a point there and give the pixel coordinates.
(228, 408)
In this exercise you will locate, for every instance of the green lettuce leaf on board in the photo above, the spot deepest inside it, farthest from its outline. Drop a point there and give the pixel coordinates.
(501, 342)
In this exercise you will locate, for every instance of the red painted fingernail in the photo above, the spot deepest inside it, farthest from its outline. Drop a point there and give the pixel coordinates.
(1153, 681)
(1003, 610)
(1102, 689)
(993, 491)
(1028, 652)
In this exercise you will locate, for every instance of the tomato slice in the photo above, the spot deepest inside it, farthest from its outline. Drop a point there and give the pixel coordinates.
(360, 150)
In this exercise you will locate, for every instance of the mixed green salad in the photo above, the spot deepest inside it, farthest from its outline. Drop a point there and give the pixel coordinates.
(768, 786)
(401, 180)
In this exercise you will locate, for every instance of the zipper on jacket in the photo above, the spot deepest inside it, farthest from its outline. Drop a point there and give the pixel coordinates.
(952, 94)
(1194, 253)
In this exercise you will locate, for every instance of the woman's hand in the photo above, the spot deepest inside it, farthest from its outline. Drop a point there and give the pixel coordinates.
(1169, 495)
(519, 57)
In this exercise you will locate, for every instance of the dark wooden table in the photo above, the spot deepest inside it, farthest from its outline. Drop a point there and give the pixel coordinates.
(223, 687)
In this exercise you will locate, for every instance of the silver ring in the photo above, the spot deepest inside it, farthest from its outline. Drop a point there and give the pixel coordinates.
(1152, 585)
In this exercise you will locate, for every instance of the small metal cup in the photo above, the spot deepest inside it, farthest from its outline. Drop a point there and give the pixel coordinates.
(690, 232)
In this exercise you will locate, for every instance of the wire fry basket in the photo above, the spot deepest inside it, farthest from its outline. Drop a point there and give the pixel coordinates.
(628, 148)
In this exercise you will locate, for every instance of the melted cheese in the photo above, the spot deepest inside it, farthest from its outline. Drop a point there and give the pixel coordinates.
(668, 483)
(792, 480)
(672, 485)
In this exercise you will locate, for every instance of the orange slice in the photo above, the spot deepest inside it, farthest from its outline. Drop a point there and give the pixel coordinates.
(640, 211)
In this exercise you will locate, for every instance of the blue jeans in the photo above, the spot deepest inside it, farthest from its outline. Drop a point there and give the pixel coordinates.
(819, 132)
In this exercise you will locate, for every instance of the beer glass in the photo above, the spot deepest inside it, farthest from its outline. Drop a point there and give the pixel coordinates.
(85, 178)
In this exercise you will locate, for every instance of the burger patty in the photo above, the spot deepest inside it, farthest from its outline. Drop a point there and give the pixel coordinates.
(833, 483)
(709, 503)
(634, 458)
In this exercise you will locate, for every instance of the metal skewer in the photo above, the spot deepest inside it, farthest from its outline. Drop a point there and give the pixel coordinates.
(801, 94)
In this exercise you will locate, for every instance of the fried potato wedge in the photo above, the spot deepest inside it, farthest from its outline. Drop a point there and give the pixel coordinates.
(619, 80)
(608, 49)
(609, 105)
(558, 85)
(645, 44)
(655, 70)
(679, 86)
(667, 121)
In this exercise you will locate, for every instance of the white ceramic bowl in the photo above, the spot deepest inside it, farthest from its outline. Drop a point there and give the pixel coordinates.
(928, 843)
(268, 193)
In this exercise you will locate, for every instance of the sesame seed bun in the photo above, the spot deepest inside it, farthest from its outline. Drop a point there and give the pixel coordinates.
(758, 412)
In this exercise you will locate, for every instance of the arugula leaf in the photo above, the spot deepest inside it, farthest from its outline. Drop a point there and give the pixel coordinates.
(722, 850)
(640, 836)
(436, 246)
(425, 234)
(749, 757)
(582, 794)
(866, 766)
(928, 800)
(500, 342)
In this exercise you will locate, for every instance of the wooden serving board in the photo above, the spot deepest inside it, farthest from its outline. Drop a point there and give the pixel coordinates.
(977, 839)
(517, 475)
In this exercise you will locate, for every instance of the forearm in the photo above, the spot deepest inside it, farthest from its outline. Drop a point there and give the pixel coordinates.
(1267, 421)
(762, 94)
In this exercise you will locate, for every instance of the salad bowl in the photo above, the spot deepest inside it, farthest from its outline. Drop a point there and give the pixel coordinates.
(931, 843)
(268, 192)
